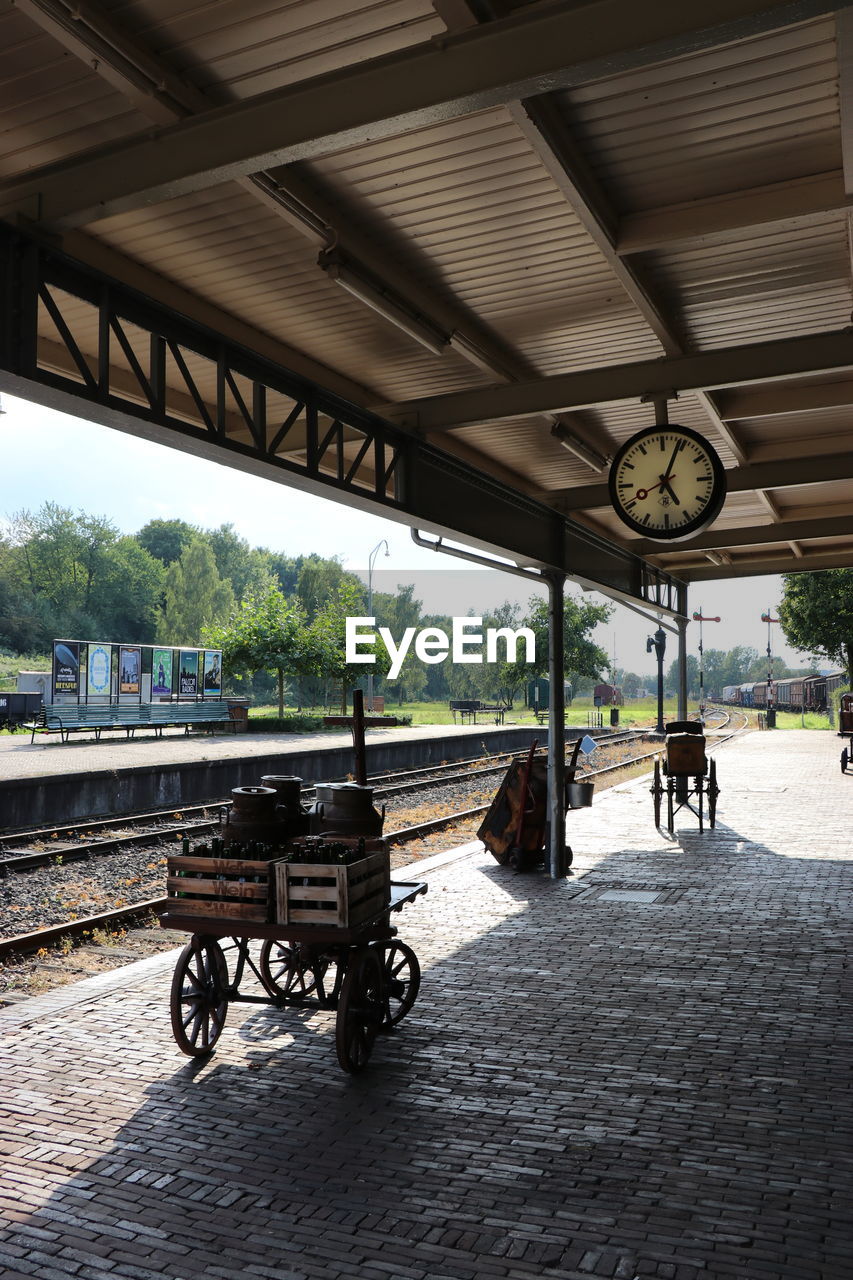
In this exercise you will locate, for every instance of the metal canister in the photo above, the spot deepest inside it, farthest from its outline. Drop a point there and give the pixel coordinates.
(291, 812)
(253, 817)
(346, 809)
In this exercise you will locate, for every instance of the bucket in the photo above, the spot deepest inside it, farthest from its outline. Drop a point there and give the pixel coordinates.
(579, 794)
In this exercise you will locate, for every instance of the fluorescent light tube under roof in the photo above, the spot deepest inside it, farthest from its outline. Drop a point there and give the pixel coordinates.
(388, 309)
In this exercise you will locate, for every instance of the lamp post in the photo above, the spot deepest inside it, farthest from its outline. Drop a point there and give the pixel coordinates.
(658, 643)
(697, 617)
(370, 559)
(769, 619)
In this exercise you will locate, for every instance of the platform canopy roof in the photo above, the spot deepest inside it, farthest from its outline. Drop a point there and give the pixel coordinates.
(505, 228)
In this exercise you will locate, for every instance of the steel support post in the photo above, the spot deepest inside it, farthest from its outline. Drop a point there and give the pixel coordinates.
(556, 727)
(682, 784)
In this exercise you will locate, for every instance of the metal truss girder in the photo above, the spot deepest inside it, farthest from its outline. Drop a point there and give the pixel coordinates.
(412, 481)
(755, 567)
(529, 53)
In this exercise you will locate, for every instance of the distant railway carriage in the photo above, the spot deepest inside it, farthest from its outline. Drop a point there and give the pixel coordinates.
(746, 695)
(607, 695)
(731, 694)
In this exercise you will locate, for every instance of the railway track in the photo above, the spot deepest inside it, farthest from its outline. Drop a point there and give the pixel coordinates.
(45, 937)
(78, 842)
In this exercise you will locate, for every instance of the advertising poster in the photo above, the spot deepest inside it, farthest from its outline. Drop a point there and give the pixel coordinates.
(189, 672)
(129, 668)
(66, 667)
(213, 672)
(100, 659)
(161, 673)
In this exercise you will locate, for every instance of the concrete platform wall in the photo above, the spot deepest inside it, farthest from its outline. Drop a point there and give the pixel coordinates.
(69, 797)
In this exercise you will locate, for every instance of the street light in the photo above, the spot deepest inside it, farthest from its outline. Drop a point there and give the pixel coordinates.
(697, 617)
(658, 643)
(370, 559)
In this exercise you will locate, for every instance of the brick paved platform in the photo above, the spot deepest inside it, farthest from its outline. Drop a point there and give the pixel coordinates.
(591, 1084)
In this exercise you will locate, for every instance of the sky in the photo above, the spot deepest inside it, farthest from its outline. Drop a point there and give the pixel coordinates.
(51, 457)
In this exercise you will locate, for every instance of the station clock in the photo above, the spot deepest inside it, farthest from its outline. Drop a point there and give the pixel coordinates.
(667, 483)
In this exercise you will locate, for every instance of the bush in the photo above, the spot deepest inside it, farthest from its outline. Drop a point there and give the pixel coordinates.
(285, 724)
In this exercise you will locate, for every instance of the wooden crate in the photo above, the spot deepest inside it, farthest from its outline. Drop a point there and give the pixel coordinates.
(231, 888)
(344, 896)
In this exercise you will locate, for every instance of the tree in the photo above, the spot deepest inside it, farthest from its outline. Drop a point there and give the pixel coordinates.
(165, 540)
(195, 597)
(328, 638)
(816, 614)
(319, 580)
(269, 633)
(583, 658)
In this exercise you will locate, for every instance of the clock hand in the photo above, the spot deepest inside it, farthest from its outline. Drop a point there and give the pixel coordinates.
(665, 486)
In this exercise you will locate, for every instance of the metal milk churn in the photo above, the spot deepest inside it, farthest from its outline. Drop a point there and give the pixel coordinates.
(292, 815)
(253, 817)
(346, 809)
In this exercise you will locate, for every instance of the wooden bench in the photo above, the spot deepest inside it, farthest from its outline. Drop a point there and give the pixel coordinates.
(130, 717)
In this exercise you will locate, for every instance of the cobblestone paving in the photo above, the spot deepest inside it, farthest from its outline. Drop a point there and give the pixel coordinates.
(588, 1085)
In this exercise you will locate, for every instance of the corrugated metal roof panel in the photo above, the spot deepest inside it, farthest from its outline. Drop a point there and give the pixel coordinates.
(240, 50)
(759, 111)
(52, 105)
(481, 215)
(772, 283)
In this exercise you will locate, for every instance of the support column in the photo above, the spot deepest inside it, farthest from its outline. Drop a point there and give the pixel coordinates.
(682, 653)
(681, 784)
(556, 728)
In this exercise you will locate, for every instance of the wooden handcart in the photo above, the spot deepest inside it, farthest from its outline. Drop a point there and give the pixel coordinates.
(364, 972)
(687, 776)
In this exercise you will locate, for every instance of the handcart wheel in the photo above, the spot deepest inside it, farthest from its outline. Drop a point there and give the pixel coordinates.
(199, 999)
(288, 972)
(402, 980)
(657, 792)
(845, 758)
(361, 1010)
(713, 792)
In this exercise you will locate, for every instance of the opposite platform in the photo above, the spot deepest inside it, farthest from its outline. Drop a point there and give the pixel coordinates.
(640, 1071)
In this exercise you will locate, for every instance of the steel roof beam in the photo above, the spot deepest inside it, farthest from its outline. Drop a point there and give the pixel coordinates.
(800, 201)
(838, 526)
(726, 367)
(767, 402)
(788, 473)
(750, 568)
(532, 52)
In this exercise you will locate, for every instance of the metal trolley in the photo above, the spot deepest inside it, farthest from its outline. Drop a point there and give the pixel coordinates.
(365, 973)
(687, 776)
(845, 728)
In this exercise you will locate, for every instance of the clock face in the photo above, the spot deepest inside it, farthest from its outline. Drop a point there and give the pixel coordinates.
(667, 482)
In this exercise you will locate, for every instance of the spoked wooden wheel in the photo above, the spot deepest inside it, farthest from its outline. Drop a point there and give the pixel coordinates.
(845, 760)
(361, 1010)
(713, 792)
(657, 792)
(199, 1000)
(289, 971)
(402, 980)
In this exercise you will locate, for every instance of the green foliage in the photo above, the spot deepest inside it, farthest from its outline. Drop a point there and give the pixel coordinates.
(195, 597)
(269, 632)
(166, 540)
(816, 614)
(581, 655)
(285, 724)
